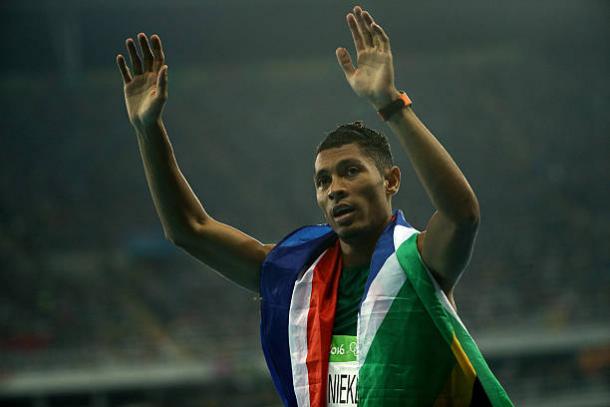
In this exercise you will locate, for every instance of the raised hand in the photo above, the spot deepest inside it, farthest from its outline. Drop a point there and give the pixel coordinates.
(373, 78)
(145, 90)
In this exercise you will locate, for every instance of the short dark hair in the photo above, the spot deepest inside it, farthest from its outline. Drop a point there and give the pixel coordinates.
(374, 144)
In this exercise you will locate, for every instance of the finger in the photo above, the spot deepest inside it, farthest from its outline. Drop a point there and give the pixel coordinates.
(383, 37)
(377, 43)
(133, 55)
(120, 60)
(146, 52)
(362, 27)
(368, 20)
(345, 61)
(162, 82)
(157, 50)
(353, 26)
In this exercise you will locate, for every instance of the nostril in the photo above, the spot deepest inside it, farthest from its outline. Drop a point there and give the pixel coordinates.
(335, 195)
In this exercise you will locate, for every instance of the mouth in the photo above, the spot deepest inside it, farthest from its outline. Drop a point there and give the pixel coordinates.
(342, 212)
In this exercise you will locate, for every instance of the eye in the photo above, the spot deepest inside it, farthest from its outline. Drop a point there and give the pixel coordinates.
(322, 181)
(352, 170)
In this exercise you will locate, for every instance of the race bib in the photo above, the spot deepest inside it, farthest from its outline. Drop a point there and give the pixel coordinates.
(342, 372)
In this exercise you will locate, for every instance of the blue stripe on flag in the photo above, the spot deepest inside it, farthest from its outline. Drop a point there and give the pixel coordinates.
(279, 272)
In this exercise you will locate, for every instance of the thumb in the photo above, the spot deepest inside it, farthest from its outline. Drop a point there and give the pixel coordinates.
(345, 61)
(162, 81)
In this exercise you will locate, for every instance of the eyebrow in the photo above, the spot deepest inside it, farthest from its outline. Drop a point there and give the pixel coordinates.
(342, 163)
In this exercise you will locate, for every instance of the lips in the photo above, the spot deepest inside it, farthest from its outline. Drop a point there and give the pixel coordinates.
(342, 209)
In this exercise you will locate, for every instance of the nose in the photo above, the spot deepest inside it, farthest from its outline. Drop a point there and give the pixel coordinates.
(336, 191)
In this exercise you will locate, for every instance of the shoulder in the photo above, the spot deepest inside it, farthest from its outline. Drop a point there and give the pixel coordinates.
(268, 247)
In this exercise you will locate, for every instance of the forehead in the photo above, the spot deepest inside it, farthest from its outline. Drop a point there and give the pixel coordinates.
(330, 157)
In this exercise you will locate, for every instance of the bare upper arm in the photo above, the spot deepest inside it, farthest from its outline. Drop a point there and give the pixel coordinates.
(445, 248)
(231, 252)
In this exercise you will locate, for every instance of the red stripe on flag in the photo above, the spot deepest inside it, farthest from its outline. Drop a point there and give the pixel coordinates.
(320, 320)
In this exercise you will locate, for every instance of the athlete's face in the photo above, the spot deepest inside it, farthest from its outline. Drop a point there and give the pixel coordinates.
(353, 195)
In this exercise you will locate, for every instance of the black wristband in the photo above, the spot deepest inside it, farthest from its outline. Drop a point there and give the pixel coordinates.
(395, 106)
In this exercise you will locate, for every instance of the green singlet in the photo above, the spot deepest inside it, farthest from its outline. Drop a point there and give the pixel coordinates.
(351, 288)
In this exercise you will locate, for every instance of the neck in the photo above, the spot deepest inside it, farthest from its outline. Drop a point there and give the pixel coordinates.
(358, 252)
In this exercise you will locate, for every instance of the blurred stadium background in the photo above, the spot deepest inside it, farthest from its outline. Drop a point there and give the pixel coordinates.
(97, 309)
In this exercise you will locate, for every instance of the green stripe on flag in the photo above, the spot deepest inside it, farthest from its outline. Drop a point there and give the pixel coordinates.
(414, 373)
(446, 323)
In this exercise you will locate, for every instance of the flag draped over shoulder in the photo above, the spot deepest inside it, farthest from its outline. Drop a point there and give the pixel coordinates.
(413, 349)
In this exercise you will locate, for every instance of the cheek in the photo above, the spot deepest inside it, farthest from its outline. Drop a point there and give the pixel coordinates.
(319, 200)
(321, 204)
(374, 196)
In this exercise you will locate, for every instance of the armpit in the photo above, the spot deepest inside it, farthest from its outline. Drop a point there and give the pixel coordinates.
(438, 278)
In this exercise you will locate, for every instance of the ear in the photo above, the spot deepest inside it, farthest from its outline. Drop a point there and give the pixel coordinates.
(392, 180)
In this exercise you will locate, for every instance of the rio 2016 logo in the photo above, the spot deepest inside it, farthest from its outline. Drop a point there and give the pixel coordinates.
(350, 348)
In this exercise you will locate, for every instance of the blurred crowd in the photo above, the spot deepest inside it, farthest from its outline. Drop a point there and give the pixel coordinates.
(87, 276)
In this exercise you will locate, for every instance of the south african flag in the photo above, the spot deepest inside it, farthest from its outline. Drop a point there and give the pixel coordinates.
(413, 349)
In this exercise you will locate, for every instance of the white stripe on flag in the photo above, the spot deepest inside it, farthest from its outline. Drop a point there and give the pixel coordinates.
(297, 333)
(381, 294)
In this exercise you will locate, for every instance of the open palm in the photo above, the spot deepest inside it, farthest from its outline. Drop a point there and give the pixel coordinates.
(146, 90)
(373, 78)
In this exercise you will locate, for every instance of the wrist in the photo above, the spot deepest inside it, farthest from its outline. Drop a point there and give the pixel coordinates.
(382, 99)
(144, 126)
(390, 111)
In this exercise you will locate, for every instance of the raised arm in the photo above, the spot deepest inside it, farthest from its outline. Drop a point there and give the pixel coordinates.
(446, 244)
(232, 253)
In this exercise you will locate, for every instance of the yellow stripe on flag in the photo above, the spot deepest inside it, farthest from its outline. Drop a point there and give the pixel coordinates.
(462, 358)
(457, 391)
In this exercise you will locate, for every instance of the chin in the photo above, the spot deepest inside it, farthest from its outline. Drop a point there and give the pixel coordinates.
(354, 231)
(350, 233)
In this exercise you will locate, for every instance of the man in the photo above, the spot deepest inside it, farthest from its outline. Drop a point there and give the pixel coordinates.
(366, 299)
